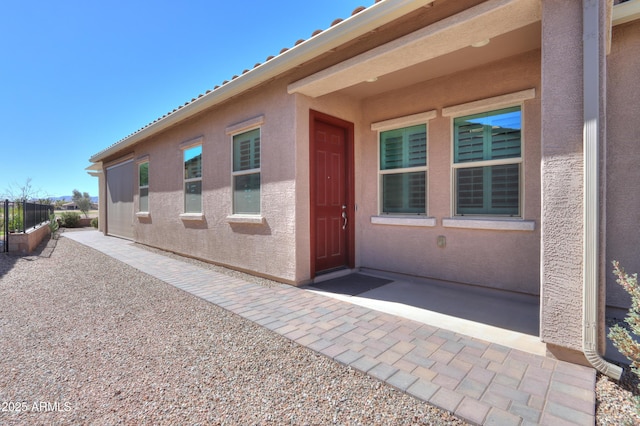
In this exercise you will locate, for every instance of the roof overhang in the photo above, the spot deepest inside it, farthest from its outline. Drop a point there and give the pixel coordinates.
(485, 21)
(351, 28)
(95, 169)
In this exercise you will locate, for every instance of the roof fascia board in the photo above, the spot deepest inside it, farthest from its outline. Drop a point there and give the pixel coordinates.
(626, 12)
(484, 21)
(94, 169)
(353, 27)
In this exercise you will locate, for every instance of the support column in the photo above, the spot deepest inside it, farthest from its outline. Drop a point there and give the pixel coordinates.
(562, 179)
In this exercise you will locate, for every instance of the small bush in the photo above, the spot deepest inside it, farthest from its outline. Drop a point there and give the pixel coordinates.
(620, 336)
(15, 218)
(94, 222)
(70, 219)
(53, 225)
(15, 223)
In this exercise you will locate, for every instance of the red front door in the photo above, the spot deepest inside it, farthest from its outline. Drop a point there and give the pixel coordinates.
(332, 217)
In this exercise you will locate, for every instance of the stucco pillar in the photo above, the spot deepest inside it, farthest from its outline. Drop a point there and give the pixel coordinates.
(562, 178)
(102, 195)
(102, 202)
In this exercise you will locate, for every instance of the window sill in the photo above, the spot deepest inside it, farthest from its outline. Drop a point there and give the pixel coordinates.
(143, 214)
(404, 220)
(491, 224)
(192, 216)
(254, 219)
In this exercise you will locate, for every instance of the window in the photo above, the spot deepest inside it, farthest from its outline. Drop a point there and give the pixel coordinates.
(403, 167)
(246, 172)
(193, 179)
(487, 163)
(143, 186)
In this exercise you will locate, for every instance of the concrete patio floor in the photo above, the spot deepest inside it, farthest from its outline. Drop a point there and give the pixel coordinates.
(499, 317)
(456, 365)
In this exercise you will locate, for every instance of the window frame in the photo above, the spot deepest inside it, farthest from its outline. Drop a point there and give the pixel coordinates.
(246, 172)
(404, 171)
(402, 218)
(234, 131)
(484, 105)
(184, 147)
(483, 164)
(141, 161)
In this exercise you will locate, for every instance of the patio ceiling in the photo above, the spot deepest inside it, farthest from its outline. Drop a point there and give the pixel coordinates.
(512, 26)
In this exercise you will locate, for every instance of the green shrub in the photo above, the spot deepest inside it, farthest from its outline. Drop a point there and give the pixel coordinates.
(620, 336)
(15, 223)
(94, 222)
(15, 218)
(53, 224)
(70, 219)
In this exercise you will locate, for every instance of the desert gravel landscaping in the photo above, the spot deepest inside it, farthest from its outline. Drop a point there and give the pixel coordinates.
(86, 339)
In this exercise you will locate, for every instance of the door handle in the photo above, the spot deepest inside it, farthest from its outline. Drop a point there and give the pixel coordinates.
(344, 216)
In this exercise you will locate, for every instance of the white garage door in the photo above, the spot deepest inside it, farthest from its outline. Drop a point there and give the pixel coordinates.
(120, 183)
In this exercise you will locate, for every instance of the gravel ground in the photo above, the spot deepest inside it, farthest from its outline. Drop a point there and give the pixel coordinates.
(85, 339)
(618, 403)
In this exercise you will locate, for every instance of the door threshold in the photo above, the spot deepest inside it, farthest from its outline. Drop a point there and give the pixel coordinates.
(333, 273)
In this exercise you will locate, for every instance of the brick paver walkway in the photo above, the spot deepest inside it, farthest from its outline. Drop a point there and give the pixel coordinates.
(481, 382)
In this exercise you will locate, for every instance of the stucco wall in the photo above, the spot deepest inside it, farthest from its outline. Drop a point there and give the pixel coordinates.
(562, 174)
(267, 249)
(102, 196)
(492, 258)
(623, 152)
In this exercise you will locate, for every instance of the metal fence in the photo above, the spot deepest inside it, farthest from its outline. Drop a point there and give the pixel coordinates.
(18, 217)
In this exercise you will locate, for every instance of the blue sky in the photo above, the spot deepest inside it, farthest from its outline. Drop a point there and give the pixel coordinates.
(77, 76)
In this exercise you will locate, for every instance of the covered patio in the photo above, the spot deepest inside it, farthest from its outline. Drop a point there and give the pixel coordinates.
(501, 317)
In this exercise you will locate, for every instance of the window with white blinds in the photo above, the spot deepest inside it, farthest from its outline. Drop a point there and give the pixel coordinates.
(488, 163)
(246, 172)
(403, 170)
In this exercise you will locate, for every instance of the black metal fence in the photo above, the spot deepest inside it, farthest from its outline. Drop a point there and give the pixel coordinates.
(18, 217)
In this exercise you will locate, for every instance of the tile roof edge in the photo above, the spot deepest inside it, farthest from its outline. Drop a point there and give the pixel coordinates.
(361, 21)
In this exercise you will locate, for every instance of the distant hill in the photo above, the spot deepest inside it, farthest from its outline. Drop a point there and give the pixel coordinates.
(68, 198)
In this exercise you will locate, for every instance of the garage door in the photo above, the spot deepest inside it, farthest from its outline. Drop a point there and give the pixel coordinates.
(120, 182)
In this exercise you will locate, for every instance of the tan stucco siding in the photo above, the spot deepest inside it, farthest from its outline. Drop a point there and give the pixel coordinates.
(266, 249)
(120, 189)
(492, 258)
(562, 175)
(623, 152)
